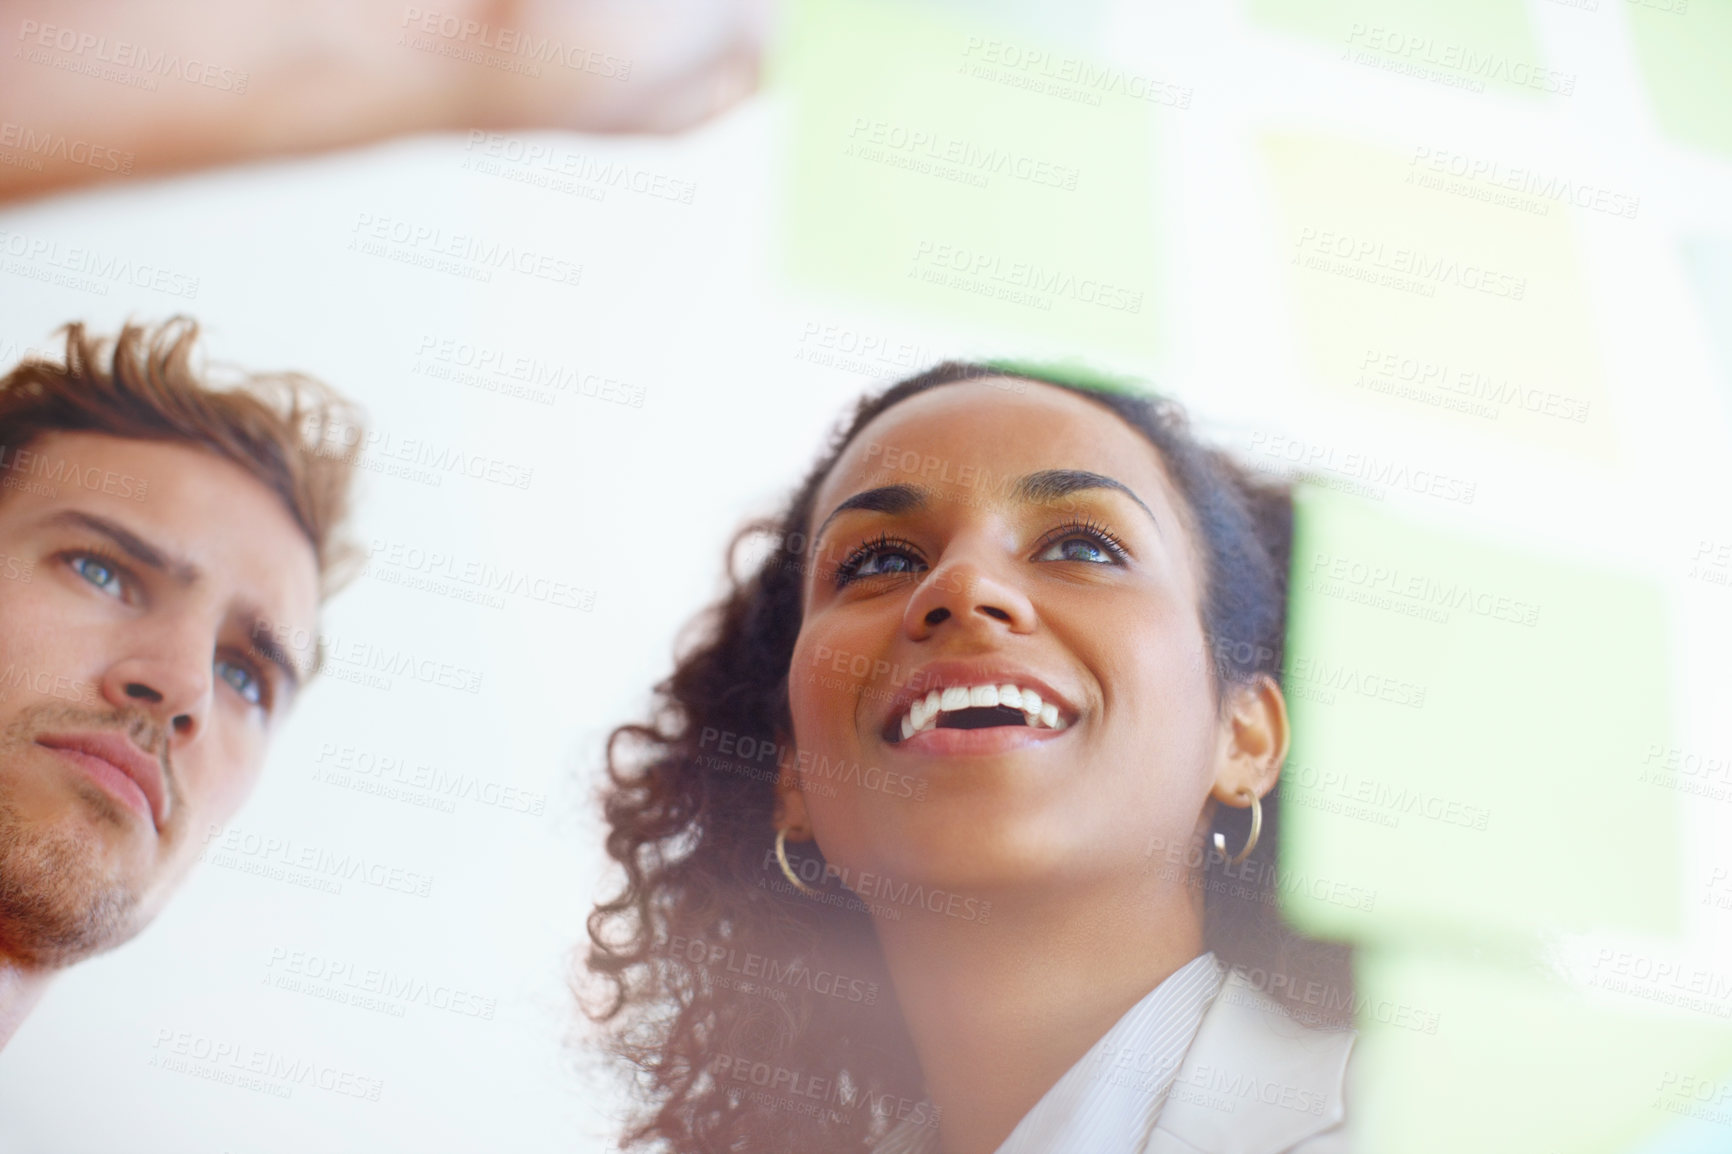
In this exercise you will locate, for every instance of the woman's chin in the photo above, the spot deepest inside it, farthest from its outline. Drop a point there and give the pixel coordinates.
(966, 863)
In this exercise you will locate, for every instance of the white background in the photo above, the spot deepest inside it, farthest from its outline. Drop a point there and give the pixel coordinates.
(634, 504)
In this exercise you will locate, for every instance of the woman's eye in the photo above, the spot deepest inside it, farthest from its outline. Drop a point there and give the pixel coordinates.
(1074, 549)
(879, 559)
(242, 680)
(1094, 546)
(98, 572)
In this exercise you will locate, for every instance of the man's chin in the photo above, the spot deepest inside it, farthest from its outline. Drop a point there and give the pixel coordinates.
(60, 902)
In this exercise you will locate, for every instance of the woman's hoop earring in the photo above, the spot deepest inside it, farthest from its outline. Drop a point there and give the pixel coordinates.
(1256, 830)
(788, 870)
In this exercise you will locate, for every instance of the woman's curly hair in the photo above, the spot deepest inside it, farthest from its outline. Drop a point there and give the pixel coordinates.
(757, 1019)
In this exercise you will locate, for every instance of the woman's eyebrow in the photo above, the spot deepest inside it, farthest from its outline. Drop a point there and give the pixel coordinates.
(890, 499)
(1050, 485)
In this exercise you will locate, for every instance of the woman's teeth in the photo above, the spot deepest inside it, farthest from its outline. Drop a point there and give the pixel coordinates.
(925, 712)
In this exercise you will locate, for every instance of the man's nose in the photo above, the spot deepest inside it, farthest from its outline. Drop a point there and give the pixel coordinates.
(167, 678)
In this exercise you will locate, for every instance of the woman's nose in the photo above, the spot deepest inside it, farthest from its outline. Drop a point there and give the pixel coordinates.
(969, 593)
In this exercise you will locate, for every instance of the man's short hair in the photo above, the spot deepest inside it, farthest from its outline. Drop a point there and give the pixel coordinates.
(143, 385)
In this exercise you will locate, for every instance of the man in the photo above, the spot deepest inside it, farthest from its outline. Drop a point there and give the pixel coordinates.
(161, 538)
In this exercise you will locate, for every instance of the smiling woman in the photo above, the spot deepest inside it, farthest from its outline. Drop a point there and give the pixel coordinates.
(918, 845)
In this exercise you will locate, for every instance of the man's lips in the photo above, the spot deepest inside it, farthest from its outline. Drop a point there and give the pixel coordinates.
(126, 770)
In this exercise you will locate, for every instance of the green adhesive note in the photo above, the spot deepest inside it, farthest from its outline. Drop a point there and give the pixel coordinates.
(1457, 1056)
(1470, 45)
(1478, 738)
(1684, 48)
(967, 174)
(1444, 286)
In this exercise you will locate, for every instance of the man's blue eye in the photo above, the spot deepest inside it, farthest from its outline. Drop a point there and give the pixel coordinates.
(97, 571)
(243, 680)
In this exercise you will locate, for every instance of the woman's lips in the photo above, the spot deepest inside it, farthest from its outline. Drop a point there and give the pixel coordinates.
(937, 682)
(944, 742)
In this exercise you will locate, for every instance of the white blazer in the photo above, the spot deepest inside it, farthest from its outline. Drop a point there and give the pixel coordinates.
(1256, 1081)
(1252, 1080)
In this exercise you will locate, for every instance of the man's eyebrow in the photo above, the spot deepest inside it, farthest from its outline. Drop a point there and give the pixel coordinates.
(1055, 484)
(891, 499)
(262, 637)
(150, 556)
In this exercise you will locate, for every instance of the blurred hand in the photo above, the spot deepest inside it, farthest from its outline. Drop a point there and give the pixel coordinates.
(92, 90)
